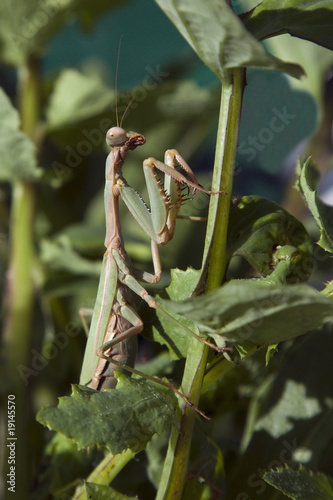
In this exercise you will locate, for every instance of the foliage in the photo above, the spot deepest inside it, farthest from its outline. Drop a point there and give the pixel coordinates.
(258, 296)
(22, 165)
(301, 484)
(92, 417)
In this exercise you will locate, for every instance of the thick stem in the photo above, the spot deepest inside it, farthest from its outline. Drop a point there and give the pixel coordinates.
(215, 253)
(175, 467)
(19, 298)
(231, 113)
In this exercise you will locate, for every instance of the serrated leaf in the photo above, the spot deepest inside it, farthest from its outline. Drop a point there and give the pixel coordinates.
(182, 283)
(260, 312)
(301, 484)
(311, 20)
(264, 234)
(17, 151)
(101, 491)
(123, 418)
(77, 97)
(219, 38)
(308, 177)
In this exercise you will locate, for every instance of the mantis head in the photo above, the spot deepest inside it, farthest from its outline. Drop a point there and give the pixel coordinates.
(117, 137)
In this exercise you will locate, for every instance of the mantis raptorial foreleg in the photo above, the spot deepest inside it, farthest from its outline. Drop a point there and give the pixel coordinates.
(115, 323)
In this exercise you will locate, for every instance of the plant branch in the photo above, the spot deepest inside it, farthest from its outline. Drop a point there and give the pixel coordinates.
(214, 266)
(20, 285)
(214, 261)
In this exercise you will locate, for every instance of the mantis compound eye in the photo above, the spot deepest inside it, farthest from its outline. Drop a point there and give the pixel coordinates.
(116, 136)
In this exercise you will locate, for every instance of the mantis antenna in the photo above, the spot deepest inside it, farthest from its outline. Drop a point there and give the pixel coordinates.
(116, 82)
(127, 108)
(116, 90)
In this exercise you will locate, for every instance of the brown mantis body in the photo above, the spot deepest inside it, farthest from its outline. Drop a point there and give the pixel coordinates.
(115, 323)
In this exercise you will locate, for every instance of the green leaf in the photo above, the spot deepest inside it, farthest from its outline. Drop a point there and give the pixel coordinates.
(77, 97)
(169, 331)
(27, 27)
(308, 178)
(17, 151)
(182, 283)
(290, 415)
(60, 256)
(159, 366)
(293, 405)
(311, 20)
(264, 234)
(219, 38)
(83, 237)
(256, 311)
(101, 491)
(123, 418)
(64, 465)
(301, 484)
(188, 100)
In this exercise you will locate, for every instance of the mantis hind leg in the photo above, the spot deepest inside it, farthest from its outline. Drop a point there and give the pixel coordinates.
(123, 328)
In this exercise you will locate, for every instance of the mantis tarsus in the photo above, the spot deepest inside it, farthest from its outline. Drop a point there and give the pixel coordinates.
(115, 323)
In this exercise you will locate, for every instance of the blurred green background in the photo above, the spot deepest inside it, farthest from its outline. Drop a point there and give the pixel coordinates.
(175, 105)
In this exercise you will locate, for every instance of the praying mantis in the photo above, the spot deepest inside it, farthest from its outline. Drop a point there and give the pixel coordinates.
(112, 338)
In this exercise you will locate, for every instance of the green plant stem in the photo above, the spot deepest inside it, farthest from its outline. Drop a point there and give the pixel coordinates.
(20, 284)
(215, 259)
(106, 471)
(215, 251)
(20, 287)
(175, 465)
(20, 290)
